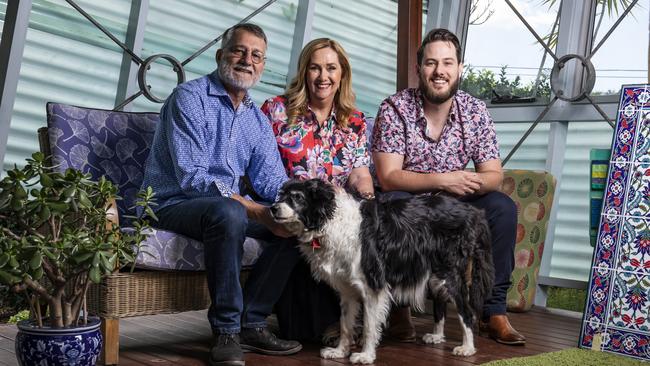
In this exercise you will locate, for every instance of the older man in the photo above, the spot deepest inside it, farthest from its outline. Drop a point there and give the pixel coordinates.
(422, 141)
(211, 134)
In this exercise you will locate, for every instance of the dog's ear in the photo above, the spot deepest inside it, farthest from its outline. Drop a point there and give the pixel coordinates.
(321, 203)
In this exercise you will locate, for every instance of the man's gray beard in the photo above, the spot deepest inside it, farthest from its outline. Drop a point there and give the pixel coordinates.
(228, 76)
(433, 98)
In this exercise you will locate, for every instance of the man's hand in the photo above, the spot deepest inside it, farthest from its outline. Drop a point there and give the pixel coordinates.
(276, 229)
(462, 182)
(262, 214)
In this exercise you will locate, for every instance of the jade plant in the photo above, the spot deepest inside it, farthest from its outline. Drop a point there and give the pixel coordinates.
(59, 234)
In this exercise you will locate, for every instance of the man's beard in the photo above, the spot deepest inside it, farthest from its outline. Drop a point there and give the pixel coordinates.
(230, 77)
(438, 98)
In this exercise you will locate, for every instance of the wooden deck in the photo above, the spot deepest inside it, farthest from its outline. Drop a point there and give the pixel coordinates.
(183, 339)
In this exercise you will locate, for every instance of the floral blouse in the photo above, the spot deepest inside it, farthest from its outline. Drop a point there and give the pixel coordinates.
(309, 150)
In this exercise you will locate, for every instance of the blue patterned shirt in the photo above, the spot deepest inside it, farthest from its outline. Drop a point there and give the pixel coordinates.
(203, 146)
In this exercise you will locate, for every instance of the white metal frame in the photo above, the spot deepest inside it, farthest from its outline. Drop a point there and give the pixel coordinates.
(14, 34)
(128, 83)
(301, 34)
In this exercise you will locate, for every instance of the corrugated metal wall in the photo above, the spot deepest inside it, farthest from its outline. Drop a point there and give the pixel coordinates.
(67, 60)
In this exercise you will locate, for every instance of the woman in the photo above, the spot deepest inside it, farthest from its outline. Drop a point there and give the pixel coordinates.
(320, 134)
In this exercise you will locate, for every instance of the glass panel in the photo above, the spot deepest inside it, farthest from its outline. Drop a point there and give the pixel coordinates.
(623, 58)
(182, 28)
(370, 41)
(502, 55)
(572, 251)
(66, 59)
(532, 153)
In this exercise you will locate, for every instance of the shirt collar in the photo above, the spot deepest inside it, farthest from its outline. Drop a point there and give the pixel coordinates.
(216, 88)
(419, 99)
(332, 115)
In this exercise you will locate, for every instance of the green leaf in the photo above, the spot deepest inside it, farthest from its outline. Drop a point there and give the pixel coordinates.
(8, 278)
(95, 275)
(36, 260)
(4, 258)
(44, 214)
(105, 264)
(13, 263)
(46, 180)
(49, 254)
(38, 273)
(111, 261)
(80, 258)
(84, 201)
(59, 207)
(20, 193)
(69, 192)
(96, 259)
(127, 257)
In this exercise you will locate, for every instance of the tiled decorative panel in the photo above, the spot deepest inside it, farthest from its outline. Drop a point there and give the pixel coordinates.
(617, 315)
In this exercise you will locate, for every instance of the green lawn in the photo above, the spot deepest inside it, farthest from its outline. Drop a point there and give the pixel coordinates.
(566, 298)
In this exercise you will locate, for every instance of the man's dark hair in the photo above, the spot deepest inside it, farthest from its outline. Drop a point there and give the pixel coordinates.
(248, 27)
(439, 34)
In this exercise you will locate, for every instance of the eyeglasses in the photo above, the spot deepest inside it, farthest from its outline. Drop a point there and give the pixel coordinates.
(256, 56)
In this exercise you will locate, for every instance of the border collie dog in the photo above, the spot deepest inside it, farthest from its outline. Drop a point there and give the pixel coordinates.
(374, 252)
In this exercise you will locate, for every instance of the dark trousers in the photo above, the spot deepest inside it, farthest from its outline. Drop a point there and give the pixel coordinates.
(222, 225)
(501, 214)
(306, 307)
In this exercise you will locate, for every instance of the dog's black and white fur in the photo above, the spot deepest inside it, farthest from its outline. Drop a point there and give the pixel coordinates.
(374, 252)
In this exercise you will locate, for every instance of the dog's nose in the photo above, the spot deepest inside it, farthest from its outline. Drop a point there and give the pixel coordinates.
(274, 210)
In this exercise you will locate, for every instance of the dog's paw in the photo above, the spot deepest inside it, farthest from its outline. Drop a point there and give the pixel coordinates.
(329, 353)
(362, 357)
(431, 338)
(464, 351)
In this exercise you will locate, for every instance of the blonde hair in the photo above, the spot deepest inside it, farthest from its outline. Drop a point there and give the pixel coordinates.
(298, 95)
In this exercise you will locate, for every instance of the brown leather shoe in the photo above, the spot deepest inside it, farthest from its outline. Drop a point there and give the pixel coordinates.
(499, 329)
(400, 327)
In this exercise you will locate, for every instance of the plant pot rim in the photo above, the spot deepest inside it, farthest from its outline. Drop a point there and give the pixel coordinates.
(29, 326)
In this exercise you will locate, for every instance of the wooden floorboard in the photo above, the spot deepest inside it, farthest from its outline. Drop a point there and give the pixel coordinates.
(184, 339)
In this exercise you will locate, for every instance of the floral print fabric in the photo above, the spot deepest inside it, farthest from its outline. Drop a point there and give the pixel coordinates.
(469, 133)
(310, 150)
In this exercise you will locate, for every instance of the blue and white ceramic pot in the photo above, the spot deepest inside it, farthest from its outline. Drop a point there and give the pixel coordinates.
(78, 346)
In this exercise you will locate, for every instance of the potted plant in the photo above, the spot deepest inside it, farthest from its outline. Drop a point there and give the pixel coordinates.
(58, 234)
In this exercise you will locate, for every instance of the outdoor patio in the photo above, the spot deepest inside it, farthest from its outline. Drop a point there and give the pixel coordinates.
(183, 339)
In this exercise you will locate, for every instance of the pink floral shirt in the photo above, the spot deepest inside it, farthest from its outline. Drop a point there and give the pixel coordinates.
(469, 133)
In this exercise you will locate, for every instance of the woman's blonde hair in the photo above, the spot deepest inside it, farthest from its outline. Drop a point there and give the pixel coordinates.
(298, 95)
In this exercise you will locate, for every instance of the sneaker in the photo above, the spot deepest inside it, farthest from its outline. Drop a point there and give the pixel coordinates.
(226, 351)
(261, 340)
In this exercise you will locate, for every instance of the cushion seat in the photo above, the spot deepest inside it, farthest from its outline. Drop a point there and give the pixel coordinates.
(165, 250)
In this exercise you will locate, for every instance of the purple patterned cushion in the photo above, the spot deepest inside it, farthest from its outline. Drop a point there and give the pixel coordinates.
(116, 145)
(167, 250)
(101, 142)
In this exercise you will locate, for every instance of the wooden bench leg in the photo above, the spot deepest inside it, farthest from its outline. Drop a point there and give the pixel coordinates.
(111, 332)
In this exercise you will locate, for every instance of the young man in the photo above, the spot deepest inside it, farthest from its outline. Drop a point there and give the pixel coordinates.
(422, 141)
(210, 134)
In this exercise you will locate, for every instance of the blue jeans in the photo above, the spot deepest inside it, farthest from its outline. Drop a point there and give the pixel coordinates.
(222, 225)
(501, 214)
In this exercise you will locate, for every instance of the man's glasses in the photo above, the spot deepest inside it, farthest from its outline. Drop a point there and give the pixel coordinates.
(256, 56)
